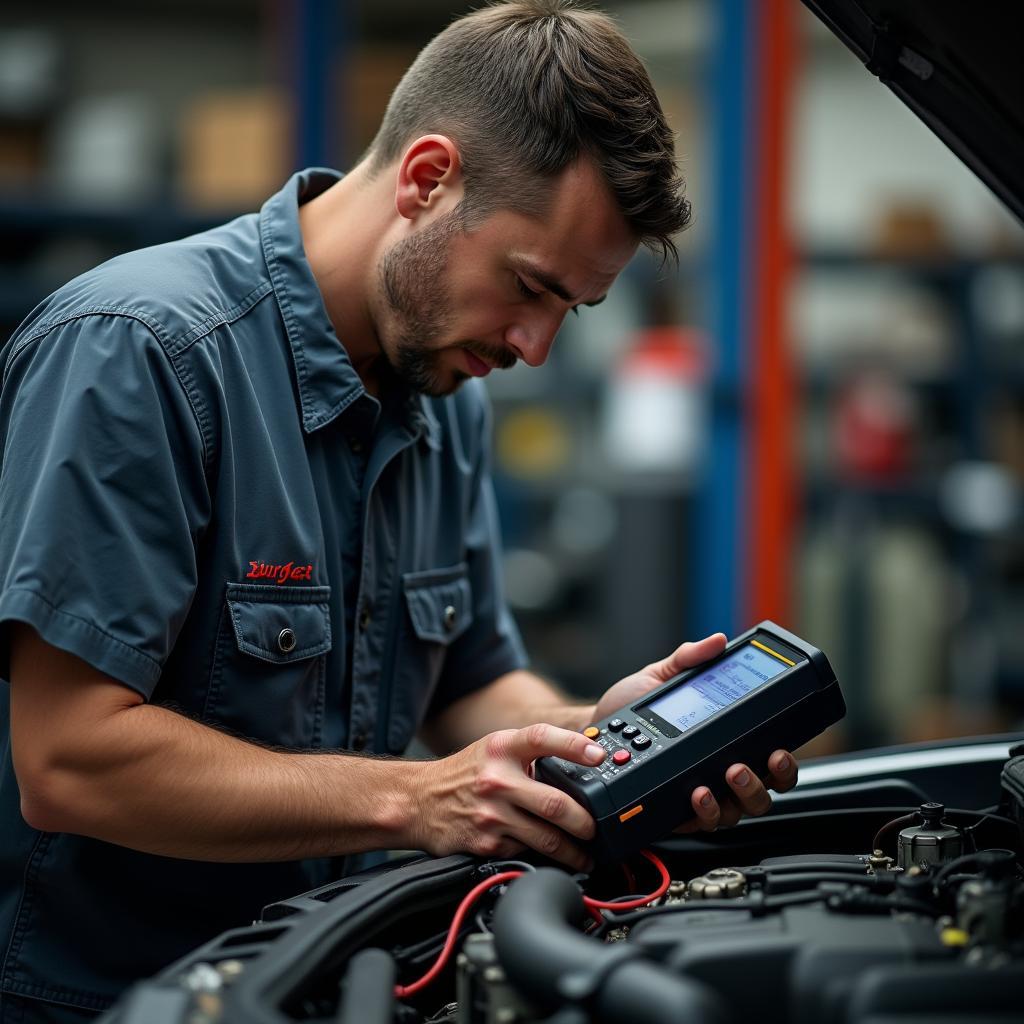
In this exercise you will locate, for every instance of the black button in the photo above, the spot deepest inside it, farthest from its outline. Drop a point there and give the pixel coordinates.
(364, 617)
(359, 741)
(449, 618)
(286, 641)
(355, 444)
(642, 742)
(616, 724)
(630, 731)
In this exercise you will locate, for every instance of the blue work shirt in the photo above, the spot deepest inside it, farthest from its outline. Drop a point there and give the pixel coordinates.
(199, 498)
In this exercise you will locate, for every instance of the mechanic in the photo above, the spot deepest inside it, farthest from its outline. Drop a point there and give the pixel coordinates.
(247, 528)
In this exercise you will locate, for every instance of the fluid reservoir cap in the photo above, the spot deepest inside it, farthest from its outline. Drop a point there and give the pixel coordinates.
(722, 883)
(932, 842)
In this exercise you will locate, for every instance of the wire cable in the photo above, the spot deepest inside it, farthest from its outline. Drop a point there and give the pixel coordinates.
(643, 901)
(756, 909)
(594, 906)
(404, 991)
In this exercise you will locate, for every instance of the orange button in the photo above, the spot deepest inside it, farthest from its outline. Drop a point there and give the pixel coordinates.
(592, 732)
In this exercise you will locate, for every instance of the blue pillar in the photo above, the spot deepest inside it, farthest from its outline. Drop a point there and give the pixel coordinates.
(319, 35)
(717, 555)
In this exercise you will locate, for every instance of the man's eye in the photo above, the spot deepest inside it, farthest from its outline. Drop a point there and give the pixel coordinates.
(527, 292)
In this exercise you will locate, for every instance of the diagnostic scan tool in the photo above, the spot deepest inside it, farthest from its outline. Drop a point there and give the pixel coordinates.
(767, 690)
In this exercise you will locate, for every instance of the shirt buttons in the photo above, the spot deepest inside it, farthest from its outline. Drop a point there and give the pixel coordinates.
(359, 741)
(355, 444)
(286, 640)
(449, 618)
(364, 617)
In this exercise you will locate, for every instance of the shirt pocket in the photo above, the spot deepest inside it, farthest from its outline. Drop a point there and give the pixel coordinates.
(269, 668)
(438, 610)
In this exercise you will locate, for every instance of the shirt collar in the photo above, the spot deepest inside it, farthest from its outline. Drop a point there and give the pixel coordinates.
(327, 382)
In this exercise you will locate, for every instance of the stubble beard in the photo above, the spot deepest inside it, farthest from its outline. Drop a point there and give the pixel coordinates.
(412, 281)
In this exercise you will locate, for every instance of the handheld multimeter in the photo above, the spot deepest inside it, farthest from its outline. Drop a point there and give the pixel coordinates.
(768, 689)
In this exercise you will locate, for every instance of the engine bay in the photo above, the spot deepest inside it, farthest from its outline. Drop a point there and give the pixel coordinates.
(888, 887)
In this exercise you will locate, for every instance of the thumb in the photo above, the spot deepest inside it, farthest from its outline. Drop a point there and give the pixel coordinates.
(690, 654)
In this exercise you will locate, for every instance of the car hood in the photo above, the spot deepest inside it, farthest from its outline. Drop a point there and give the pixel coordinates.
(957, 66)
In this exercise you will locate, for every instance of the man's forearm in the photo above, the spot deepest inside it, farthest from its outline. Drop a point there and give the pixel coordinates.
(158, 782)
(512, 701)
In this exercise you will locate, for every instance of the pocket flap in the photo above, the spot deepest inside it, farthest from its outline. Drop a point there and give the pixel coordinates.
(280, 624)
(440, 602)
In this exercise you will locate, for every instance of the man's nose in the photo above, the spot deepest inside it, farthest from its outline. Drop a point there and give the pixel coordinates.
(532, 340)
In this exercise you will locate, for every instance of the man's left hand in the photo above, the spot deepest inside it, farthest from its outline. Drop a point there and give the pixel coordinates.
(749, 794)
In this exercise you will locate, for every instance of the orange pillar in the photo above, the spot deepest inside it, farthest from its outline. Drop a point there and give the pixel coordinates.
(772, 407)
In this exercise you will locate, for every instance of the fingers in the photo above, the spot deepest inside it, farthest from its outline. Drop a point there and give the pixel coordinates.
(547, 840)
(543, 740)
(550, 804)
(511, 807)
(782, 771)
(706, 810)
(689, 654)
(749, 794)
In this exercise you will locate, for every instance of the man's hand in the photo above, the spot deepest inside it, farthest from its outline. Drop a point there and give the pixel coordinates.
(483, 801)
(639, 684)
(750, 794)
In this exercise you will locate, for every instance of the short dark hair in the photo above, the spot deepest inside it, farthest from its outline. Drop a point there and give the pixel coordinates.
(524, 88)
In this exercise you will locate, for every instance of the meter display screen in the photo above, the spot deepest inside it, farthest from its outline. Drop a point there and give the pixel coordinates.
(721, 685)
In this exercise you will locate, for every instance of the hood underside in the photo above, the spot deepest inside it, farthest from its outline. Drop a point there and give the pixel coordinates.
(958, 66)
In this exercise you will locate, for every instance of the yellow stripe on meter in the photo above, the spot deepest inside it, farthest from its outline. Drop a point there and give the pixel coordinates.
(774, 654)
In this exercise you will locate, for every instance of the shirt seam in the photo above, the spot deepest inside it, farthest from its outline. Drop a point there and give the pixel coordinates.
(24, 905)
(85, 622)
(165, 343)
(218, 318)
(288, 315)
(76, 998)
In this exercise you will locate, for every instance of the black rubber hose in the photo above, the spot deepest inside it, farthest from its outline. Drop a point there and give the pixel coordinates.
(797, 882)
(369, 989)
(545, 955)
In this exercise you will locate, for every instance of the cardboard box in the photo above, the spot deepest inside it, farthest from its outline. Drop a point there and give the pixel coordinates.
(236, 148)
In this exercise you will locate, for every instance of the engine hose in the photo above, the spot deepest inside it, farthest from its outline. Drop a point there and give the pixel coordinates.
(369, 989)
(543, 953)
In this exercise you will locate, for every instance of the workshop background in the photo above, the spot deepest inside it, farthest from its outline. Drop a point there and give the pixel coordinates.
(818, 419)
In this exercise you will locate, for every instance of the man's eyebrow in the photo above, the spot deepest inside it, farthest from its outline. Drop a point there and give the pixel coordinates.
(550, 282)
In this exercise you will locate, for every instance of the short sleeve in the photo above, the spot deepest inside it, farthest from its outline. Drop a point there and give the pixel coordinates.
(103, 496)
(492, 646)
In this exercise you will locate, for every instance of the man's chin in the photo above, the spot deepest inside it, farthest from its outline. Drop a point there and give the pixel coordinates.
(439, 389)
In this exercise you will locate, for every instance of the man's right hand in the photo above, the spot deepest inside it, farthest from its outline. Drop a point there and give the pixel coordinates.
(483, 800)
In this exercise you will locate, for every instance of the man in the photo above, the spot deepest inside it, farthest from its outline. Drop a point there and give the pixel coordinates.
(247, 526)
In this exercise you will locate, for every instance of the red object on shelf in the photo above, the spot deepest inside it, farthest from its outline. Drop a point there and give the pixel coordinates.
(874, 430)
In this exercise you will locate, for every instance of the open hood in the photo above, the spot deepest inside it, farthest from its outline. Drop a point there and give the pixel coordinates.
(958, 66)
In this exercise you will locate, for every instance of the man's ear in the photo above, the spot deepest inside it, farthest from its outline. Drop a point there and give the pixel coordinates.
(429, 172)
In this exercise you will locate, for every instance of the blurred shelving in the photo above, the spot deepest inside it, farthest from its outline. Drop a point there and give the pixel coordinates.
(912, 547)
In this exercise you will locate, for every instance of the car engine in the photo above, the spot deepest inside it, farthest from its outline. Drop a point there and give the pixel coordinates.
(867, 896)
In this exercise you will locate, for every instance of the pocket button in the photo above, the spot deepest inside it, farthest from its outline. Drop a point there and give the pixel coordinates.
(449, 618)
(286, 640)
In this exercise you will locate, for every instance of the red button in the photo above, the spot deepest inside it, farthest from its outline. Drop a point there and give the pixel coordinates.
(621, 756)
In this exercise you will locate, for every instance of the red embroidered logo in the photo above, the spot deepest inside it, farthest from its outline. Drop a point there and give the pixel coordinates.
(279, 573)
